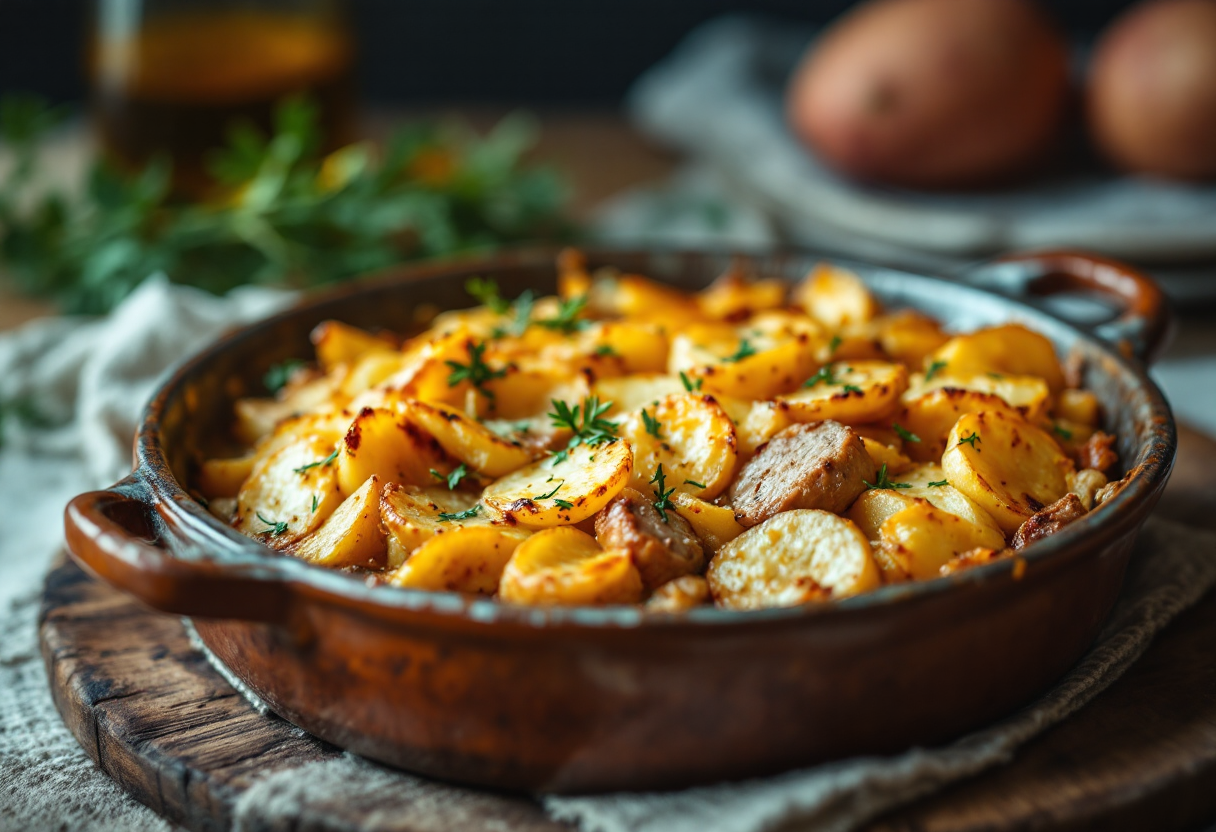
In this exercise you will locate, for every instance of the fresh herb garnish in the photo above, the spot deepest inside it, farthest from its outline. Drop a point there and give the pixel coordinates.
(834, 345)
(316, 501)
(563, 504)
(485, 291)
(826, 375)
(885, 482)
(585, 421)
(567, 319)
(453, 479)
(653, 426)
(1062, 432)
(522, 427)
(319, 463)
(551, 493)
(694, 483)
(663, 493)
(605, 349)
(904, 433)
(275, 529)
(935, 367)
(969, 440)
(280, 374)
(690, 385)
(996, 376)
(746, 350)
(938, 483)
(521, 315)
(461, 515)
(476, 372)
(853, 388)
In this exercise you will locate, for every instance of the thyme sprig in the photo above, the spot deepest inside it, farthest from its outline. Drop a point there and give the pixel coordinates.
(662, 503)
(883, 481)
(476, 372)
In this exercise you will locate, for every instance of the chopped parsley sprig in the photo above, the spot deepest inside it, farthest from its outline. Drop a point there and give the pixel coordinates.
(467, 514)
(969, 440)
(586, 421)
(275, 529)
(653, 426)
(567, 319)
(476, 372)
(883, 481)
(745, 350)
(935, 367)
(485, 291)
(453, 479)
(663, 494)
(904, 433)
(689, 384)
(827, 375)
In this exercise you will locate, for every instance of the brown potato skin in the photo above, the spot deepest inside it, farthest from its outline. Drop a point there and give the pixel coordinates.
(818, 465)
(661, 551)
(1151, 91)
(933, 93)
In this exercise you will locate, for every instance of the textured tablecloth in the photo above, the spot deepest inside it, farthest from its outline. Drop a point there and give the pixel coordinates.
(90, 378)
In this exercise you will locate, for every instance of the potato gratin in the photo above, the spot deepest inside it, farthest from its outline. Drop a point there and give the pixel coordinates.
(753, 445)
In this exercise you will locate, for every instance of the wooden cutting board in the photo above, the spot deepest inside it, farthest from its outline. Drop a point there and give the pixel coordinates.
(156, 717)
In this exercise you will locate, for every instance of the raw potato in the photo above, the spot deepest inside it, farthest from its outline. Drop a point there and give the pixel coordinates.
(410, 515)
(919, 540)
(467, 440)
(292, 499)
(864, 391)
(932, 415)
(1012, 469)
(1008, 349)
(588, 478)
(630, 393)
(696, 444)
(390, 445)
(566, 566)
(714, 525)
(835, 297)
(680, 595)
(351, 536)
(467, 559)
(793, 558)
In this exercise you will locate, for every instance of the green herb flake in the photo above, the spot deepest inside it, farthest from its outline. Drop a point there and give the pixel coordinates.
(476, 372)
(453, 479)
(485, 291)
(556, 488)
(663, 494)
(834, 345)
(605, 349)
(690, 385)
(467, 514)
(1060, 431)
(653, 426)
(316, 501)
(329, 460)
(280, 374)
(564, 504)
(567, 319)
(275, 529)
(827, 375)
(853, 388)
(745, 350)
(935, 367)
(695, 483)
(969, 440)
(938, 483)
(904, 433)
(884, 481)
(585, 421)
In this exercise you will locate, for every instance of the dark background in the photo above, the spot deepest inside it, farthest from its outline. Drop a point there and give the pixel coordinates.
(538, 52)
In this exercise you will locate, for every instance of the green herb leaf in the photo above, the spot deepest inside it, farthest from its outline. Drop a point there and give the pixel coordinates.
(690, 385)
(605, 349)
(485, 291)
(319, 463)
(935, 367)
(885, 482)
(280, 374)
(585, 421)
(827, 375)
(653, 426)
(746, 350)
(567, 319)
(460, 515)
(904, 433)
(694, 483)
(853, 388)
(453, 479)
(1062, 432)
(476, 372)
(938, 483)
(969, 440)
(275, 529)
(316, 501)
(833, 345)
(563, 504)
(551, 493)
(663, 504)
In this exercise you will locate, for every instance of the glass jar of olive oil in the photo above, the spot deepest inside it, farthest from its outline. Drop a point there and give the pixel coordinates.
(171, 76)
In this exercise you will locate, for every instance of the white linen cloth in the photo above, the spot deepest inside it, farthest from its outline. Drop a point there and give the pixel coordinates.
(92, 377)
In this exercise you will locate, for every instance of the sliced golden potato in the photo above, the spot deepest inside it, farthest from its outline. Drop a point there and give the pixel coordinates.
(560, 492)
(528, 393)
(1006, 465)
(792, 558)
(338, 343)
(679, 595)
(919, 540)
(874, 506)
(886, 455)
(411, 516)
(714, 525)
(857, 391)
(690, 436)
(389, 445)
(258, 418)
(1008, 349)
(633, 392)
(743, 363)
(755, 422)
(931, 416)
(466, 559)
(289, 493)
(369, 370)
(641, 346)
(929, 482)
(1080, 406)
(835, 296)
(467, 440)
(1026, 394)
(908, 336)
(351, 536)
(224, 477)
(634, 296)
(565, 566)
(733, 297)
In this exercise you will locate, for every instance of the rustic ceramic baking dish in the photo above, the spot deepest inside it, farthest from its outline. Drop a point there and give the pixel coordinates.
(615, 698)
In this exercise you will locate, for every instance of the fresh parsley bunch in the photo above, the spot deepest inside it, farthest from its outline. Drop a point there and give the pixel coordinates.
(284, 214)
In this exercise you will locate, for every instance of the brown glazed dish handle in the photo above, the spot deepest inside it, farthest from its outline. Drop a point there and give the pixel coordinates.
(1143, 328)
(115, 534)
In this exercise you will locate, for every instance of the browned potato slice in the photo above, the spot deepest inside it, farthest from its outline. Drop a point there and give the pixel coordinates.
(1009, 349)
(1027, 395)
(886, 455)
(714, 525)
(733, 297)
(680, 595)
(338, 343)
(633, 392)
(389, 445)
(289, 494)
(411, 516)
(558, 493)
(908, 336)
(835, 296)
(224, 477)
(351, 536)
(1006, 465)
(755, 423)
(564, 566)
(931, 416)
(857, 391)
(690, 436)
(467, 440)
(792, 558)
(919, 540)
(640, 346)
(466, 559)
(874, 507)
(1079, 406)
(929, 483)
(743, 363)
(258, 418)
